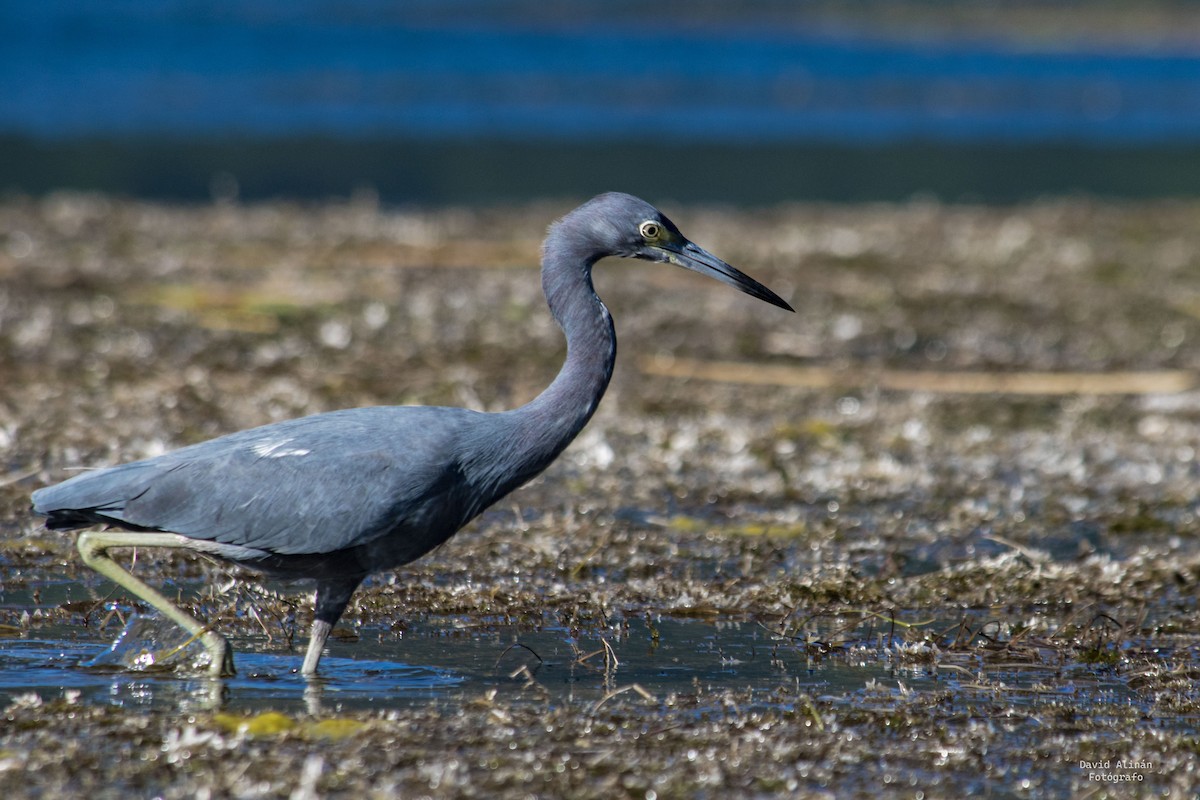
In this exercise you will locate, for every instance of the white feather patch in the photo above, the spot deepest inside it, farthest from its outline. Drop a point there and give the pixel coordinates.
(278, 449)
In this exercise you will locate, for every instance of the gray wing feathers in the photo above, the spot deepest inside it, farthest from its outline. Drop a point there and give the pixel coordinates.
(313, 485)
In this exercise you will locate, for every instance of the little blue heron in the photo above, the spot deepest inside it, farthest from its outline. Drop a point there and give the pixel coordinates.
(334, 497)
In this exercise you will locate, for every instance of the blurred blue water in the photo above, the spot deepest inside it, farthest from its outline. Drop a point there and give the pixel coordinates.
(368, 68)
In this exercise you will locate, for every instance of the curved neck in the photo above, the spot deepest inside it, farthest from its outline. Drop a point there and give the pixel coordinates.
(550, 421)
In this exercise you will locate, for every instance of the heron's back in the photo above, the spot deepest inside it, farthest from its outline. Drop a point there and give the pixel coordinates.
(310, 486)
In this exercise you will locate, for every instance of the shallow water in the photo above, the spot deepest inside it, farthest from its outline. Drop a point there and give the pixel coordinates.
(57, 668)
(446, 662)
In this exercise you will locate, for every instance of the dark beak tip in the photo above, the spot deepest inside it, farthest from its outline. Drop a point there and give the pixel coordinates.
(691, 256)
(778, 302)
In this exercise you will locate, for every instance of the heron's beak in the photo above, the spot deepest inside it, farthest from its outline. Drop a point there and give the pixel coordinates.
(690, 256)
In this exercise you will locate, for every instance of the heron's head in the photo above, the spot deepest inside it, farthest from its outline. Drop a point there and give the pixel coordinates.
(622, 225)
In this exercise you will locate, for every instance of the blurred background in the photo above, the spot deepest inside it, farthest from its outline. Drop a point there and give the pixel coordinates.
(478, 101)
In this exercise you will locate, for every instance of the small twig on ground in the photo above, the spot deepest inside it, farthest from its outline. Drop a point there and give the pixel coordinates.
(633, 687)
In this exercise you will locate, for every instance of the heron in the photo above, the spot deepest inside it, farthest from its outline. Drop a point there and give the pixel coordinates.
(334, 497)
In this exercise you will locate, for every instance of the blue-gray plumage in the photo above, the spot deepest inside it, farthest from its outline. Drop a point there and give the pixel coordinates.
(334, 497)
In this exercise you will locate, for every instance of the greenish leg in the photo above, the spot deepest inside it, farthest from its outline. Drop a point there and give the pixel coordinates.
(93, 547)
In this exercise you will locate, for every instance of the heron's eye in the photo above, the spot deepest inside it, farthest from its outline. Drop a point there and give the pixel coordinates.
(650, 230)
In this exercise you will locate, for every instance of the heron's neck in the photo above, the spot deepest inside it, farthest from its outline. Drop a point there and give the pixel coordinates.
(551, 420)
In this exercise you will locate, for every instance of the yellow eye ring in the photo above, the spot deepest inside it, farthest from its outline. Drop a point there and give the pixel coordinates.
(650, 230)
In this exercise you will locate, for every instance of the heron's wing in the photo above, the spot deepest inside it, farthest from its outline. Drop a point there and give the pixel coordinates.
(308, 486)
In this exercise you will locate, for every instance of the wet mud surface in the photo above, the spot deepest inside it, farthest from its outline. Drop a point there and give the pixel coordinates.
(934, 534)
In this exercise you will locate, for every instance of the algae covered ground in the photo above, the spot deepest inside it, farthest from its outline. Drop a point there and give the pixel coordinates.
(934, 534)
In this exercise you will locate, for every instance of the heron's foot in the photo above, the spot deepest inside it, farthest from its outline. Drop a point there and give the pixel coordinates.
(93, 548)
(220, 654)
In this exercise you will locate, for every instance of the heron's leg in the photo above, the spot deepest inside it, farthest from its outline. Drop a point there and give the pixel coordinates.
(93, 547)
(332, 598)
